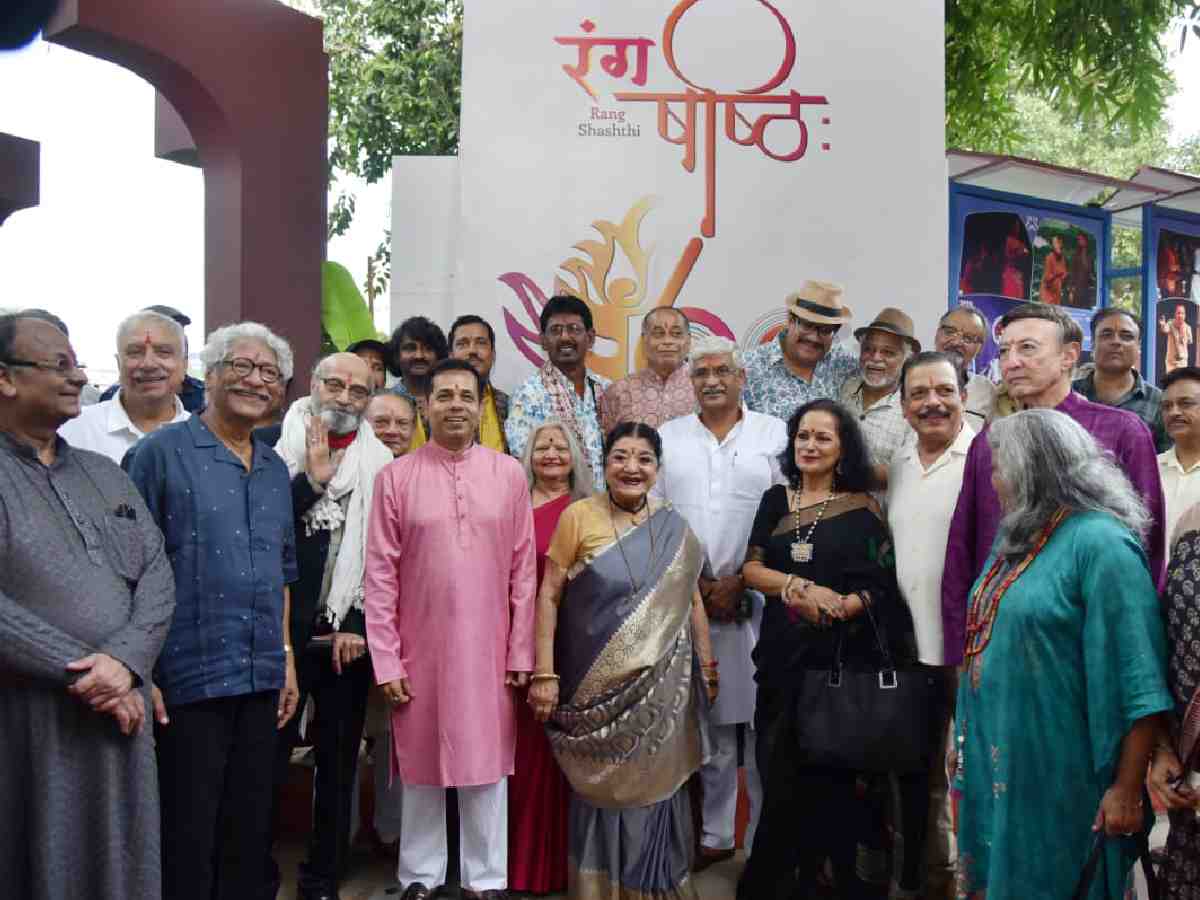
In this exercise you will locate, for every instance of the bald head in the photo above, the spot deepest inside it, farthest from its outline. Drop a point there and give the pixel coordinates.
(34, 395)
(341, 387)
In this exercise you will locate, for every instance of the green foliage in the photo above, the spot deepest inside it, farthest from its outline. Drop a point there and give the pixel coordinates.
(394, 81)
(1095, 60)
(395, 78)
(344, 315)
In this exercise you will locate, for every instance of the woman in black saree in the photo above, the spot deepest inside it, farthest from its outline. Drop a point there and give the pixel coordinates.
(820, 553)
(622, 669)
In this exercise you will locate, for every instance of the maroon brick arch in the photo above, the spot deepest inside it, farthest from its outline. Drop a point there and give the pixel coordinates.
(249, 80)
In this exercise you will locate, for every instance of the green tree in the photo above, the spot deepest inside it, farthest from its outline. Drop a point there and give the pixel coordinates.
(1094, 60)
(394, 90)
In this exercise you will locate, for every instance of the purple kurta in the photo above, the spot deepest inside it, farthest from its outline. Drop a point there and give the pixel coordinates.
(450, 581)
(977, 515)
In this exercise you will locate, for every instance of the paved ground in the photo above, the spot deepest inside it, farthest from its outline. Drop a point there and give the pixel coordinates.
(371, 877)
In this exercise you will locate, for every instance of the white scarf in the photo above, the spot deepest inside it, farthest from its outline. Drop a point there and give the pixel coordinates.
(355, 475)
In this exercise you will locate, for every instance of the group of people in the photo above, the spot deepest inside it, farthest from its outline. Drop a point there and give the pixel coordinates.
(572, 602)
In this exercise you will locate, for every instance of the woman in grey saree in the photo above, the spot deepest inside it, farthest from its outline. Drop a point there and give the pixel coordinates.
(618, 682)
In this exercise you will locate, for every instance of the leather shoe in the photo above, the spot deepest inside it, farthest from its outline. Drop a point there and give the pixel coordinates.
(710, 857)
(416, 891)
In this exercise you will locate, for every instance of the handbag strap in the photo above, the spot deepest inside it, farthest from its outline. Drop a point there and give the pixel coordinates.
(1093, 862)
(1189, 734)
(885, 653)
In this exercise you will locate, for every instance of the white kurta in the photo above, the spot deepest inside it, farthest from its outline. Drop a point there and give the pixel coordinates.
(717, 487)
(920, 505)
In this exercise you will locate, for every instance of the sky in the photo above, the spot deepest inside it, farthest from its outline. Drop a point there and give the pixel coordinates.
(117, 229)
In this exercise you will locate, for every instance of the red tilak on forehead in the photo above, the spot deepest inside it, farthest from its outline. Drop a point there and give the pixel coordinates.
(147, 340)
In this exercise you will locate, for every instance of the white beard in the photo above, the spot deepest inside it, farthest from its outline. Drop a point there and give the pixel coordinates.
(340, 422)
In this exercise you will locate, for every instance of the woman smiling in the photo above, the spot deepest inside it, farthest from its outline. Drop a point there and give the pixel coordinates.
(619, 622)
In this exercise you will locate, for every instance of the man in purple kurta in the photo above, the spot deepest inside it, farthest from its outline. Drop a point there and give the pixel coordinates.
(1036, 363)
(449, 590)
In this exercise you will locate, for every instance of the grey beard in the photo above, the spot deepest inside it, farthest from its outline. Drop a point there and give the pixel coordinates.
(340, 422)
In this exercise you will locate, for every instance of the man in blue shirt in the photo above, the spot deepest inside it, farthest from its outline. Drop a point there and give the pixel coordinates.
(223, 501)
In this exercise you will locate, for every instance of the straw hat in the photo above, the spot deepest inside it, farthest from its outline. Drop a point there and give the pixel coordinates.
(893, 321)
(819, 302)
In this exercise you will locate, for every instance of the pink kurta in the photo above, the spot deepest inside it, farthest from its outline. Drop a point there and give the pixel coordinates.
(450, 581)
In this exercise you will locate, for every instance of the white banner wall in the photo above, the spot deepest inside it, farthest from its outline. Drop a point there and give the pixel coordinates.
(707, 154)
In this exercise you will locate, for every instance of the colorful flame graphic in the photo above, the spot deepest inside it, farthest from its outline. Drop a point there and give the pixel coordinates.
(612, 300)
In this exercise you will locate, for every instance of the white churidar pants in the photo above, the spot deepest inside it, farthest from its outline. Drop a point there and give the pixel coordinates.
(720, 781)
(483, 836)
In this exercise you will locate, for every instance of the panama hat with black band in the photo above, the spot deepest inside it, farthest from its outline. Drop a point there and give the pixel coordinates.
(819, 302)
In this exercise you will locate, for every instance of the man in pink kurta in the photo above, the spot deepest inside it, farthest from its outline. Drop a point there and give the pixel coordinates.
(450, 581)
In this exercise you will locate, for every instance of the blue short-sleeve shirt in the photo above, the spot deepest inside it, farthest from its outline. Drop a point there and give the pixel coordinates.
(231, 540)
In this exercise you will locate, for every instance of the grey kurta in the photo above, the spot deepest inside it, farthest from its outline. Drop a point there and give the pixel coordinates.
(82, 570)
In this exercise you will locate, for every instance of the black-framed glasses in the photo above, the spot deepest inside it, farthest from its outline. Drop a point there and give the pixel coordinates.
(242, 367)
(62, 367)
(822, 330)
(335, 386)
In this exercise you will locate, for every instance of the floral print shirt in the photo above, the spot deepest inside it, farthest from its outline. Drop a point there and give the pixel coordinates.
(773, 389)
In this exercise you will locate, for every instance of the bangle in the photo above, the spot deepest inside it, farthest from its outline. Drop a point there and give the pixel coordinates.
(786, 584)
(543, 676)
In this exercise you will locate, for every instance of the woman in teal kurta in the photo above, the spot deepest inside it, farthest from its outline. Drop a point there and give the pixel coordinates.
(1063, 675)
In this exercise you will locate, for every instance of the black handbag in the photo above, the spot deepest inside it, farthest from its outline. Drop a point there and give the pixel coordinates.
(1096, 854)
(875, 720)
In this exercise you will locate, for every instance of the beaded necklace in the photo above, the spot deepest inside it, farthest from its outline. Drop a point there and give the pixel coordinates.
(802, 548)
(982, 614)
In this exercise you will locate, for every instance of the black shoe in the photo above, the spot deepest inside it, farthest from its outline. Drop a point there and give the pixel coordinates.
(317, 894)
(416, 891)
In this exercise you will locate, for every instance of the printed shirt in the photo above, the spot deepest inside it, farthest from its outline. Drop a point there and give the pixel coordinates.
(1143, 400)
(531, 405)
(981, 401)
(883, 425)
(231, 539)
(645, 397)
(977, 514)
(773, 389)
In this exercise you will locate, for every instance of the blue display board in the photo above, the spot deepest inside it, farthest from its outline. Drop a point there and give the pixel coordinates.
(1170, 288)
(1008, 249)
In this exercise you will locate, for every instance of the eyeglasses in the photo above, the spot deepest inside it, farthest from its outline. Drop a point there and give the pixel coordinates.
(722, 372)
(950, 333)
(805, 325)
(574, 330)
(335, 386)
(242, 367)
(62, 367)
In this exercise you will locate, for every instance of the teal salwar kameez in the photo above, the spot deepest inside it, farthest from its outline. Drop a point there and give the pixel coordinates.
(1076, 656)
